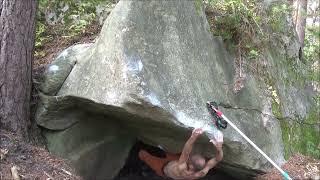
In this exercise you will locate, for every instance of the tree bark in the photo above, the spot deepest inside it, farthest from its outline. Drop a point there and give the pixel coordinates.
(301, 19)
(17, 35)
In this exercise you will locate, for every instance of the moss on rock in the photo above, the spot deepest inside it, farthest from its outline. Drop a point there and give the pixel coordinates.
(198, 4)
(301, 135)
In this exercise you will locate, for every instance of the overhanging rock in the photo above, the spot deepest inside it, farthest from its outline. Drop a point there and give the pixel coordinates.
(149, 75)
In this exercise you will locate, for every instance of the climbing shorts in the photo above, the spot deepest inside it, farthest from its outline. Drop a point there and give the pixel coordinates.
(155, 163)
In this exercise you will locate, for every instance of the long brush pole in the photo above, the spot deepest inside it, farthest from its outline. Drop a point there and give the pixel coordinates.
(284, 174)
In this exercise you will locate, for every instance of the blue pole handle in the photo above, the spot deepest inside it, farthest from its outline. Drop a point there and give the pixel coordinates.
(286, 176)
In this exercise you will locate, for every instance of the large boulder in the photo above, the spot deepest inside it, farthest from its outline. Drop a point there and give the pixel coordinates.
(148, 76)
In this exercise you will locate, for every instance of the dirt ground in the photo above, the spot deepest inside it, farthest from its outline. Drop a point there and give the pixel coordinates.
(298, 167)
(30, 162)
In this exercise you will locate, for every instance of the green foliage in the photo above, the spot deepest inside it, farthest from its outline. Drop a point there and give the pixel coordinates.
(253, 54)
(65, 19)
(278, 16)
(311, 52)
(247, 25)
(41, 39)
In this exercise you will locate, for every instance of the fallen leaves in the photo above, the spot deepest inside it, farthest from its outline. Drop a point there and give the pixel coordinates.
(3, 153)
(21, 160)
(298, 167)
(14, 173)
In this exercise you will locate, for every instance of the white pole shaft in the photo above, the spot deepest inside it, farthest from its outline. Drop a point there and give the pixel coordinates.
(256, 147)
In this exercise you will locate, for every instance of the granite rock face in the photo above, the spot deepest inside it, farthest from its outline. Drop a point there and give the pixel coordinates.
(148, 76)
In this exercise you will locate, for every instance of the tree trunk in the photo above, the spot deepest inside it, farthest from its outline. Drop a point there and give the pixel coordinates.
(301, 19)
(17, 34)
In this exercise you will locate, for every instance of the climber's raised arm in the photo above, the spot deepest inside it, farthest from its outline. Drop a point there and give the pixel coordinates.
(189, 145)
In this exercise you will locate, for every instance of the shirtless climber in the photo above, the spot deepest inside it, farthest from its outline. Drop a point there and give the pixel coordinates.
(184, 166)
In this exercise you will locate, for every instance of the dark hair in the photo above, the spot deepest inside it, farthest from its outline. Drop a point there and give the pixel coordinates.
(198, 162)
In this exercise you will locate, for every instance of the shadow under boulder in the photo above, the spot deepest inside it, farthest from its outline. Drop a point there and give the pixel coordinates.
(134, 168)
